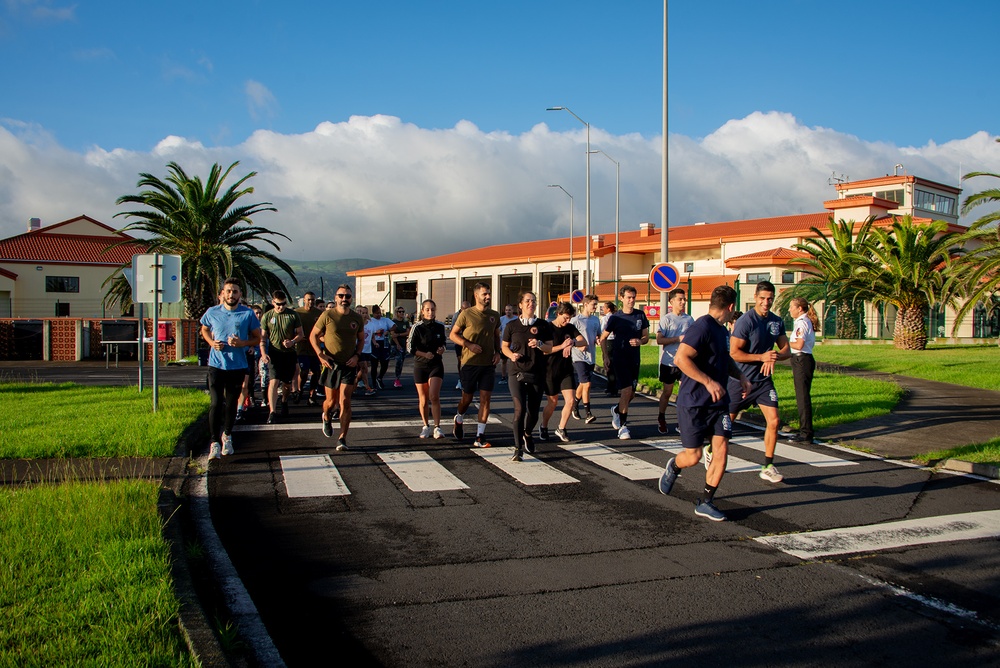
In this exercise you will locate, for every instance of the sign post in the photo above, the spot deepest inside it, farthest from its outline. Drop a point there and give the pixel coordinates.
(157, 280)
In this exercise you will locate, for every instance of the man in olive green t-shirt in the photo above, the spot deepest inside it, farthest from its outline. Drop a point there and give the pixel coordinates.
(342, 333)
(477, 330)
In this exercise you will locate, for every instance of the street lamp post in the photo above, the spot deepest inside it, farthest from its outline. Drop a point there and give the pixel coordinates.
(572, 274)
(618, 175)
(586, 273)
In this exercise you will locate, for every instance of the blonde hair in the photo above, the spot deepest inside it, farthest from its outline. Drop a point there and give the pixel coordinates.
(803, 304)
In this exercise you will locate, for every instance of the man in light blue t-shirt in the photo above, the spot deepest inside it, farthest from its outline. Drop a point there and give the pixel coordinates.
(229, 329)
(588, 324)
(669, 334)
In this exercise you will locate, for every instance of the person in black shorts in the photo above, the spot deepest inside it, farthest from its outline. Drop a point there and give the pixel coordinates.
(425, 342)
(703, 398)
(525, 342)
(282, 330)
(560, 378)
(630, 329)
(477, 331)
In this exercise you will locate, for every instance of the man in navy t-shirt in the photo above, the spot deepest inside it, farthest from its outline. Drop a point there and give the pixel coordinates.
(630, 329)
(703, 398)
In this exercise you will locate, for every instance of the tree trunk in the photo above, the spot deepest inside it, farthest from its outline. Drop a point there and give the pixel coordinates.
(849, 325)
(909, 332)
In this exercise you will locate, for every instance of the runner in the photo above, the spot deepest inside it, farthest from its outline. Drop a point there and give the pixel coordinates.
(525, 341)
(477, 331)
(281, 330)
(752, 348)
(400, 333)
(607, 351)
(247, 395)
(669, 334)
(560, 377)
(458, 348)
(382, 328)
(308, 362)
(801, 344)
(703, 398)
(367, 359)
(589, 325)
(227, 328)
(508, 315)
(630, 329)
(426, 342)
(341, 332)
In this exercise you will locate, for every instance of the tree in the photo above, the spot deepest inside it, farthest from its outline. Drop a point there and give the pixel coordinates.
(835, 260)
(909, 267)
(209, 229)
(979, 268)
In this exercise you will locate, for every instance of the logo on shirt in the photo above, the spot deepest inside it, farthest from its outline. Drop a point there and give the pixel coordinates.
(774, 328)
(354, 325)
(534, 330)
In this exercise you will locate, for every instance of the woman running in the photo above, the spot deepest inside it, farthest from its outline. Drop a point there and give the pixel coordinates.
(525, 342)
(559, 376)
(426, 343)
(801, 341)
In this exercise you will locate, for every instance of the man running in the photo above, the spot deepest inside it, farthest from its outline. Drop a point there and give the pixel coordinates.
(584, 358)
(477, 331)
(669, 334)
(458, 348)
(752, 348)
(703, 399)
(308, 362)
(281, 330)
(508, 315)
(400, 333)
(630, 328)
(228, 328)
(607, 350)
(342, 334)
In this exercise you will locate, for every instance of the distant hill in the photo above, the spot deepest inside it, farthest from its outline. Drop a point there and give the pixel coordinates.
(332, 273)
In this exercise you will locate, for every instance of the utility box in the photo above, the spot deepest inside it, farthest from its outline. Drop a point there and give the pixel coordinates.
(164, 331)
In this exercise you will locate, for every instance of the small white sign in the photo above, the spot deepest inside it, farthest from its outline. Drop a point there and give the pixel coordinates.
(144, 278)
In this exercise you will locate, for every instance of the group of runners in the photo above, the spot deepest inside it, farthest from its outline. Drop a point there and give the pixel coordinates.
(720, 371)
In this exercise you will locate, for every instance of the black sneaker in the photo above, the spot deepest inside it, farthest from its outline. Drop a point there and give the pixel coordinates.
(272, 418)
(517, 457)
(378, 384)
(590, 418)
(327, 429)
(529, 444)
(284, 409)
(458, 431)
(312, 400)
(543, 434)
(296, 397)
(342, 444)
(481, 441)
(576, 412)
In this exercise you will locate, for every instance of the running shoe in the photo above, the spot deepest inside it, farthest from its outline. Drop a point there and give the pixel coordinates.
(314, 400)
(342, 444)
(590, 417)
(458, 431)
(562, 435)
(708, 457)
(668, 477)
(517, 457)
(215, 450)
(272, 418)
(481, 441)
(241, 415)
(529, 444)
(370, 392)
(438, 432)
(335, 413)
(284, 409)
(770, 474)
(227, 444)
(503, 381)
(661, 424)
(576, 411)
(426, 431)
(543, 434)
(296, 397)
(398, 383)
(327, 429)
(708, 509)
(378, 384)
(623, 433)
(616, 420)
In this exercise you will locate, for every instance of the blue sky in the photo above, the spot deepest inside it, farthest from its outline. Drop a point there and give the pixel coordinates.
(342, 106)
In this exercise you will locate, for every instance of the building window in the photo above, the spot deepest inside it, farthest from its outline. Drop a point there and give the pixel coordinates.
(758, 277)
(62, 284)
(689, 267)
(891, 195)
(380, 286)
(788, 277)
(933, 202)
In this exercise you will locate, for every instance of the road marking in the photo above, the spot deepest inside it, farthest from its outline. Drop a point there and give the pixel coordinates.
(415, 423)
(793, 453)
(624, 465)
(733, 465)
(421, 472)
(311, 475)
(941, 529)
(531, 471)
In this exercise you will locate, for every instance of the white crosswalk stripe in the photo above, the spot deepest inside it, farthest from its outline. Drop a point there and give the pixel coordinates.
(311, 476)
(674, 447)
(421, 472)
(792, 453)
(530, 471)
(624, 465)
(887, 536)
(415, 423)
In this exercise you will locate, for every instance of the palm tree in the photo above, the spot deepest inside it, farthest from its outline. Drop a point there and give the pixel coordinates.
(910, 268)
(979, 267)
(214, 235)
(834, 262)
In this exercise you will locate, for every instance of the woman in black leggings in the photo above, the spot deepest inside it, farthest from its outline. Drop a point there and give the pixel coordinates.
(526, 341)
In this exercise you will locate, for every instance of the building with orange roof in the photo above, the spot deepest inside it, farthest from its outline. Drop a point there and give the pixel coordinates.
(738, 253)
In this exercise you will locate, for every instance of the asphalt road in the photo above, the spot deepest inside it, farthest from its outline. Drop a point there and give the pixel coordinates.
(599, 569)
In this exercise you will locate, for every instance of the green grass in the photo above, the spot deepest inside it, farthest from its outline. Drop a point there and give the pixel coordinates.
(85, 577)
(971, 366)
(40, 420)
(980, 453)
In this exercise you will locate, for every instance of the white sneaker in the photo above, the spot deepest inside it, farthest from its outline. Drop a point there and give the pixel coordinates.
(426, 431)
(227, 444)
(623, 434)
(215, 450)
(616, 420)
(770, 474)
(438, 433)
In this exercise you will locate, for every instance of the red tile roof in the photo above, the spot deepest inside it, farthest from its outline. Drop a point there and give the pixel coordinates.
(775, 256)
(46, 245)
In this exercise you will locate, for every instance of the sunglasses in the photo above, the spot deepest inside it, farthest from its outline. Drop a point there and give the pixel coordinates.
(277, 304)
(345, 297)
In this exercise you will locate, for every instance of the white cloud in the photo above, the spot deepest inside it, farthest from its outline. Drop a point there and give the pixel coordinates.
(261, 102)
(381, 188)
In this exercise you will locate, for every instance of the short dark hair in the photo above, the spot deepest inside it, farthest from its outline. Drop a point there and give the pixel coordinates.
(309, 292)
(764, 286)
(723, 296)
(611, 306)
(345, 286)
(279, 294)
(482, 286)
(232, 280)
(565, 308)
(673, 293)
(627, 288)
(590, 298)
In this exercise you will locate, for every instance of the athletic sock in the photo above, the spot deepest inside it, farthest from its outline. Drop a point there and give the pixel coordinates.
(710, 492)
(662, 416)
(768, 461)
(624, 417)
(587, 406)
(673, 466)
(480, 428)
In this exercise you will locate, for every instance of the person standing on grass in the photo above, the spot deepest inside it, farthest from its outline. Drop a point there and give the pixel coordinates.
(228, 328)
(425, 342)
(703, 399)
(669, 334)
(801, 343)
(584, 358)
(341, 332)
(751, 346)
(525, 343)
(282, 332)
(630, 328)
(477, 331)
(559, 375)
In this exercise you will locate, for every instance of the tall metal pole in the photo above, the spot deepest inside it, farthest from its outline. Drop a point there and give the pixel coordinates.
(618, 174)
(156, 327)
(586, 273)
(142, 346)
(664, 222)
(572, 274)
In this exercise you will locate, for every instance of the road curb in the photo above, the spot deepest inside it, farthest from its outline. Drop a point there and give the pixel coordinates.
(984, 470)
